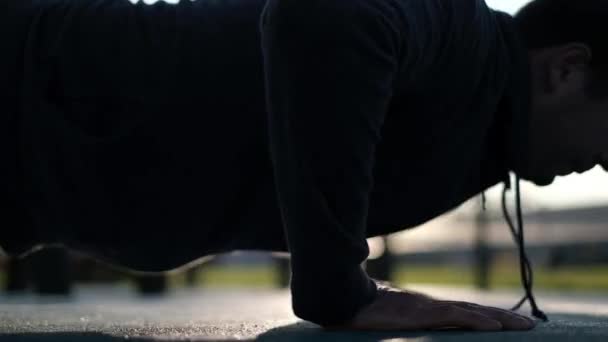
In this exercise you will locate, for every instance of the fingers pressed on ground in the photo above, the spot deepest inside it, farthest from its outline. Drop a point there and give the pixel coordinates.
(509, 319)
(468, 305)
(443, 316)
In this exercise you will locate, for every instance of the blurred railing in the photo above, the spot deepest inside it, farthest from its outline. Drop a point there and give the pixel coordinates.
(553, 239)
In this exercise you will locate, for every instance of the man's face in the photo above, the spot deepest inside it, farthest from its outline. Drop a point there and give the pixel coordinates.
(568, 129)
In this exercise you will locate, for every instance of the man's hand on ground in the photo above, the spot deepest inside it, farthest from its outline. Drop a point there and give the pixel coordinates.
(399, 309)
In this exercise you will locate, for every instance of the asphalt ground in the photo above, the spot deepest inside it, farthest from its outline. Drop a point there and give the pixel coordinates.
(112, 314)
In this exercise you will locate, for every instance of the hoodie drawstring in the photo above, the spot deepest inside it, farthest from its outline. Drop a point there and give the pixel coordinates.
(524, 262)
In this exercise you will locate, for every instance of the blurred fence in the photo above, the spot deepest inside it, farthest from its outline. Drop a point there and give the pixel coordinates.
(554, 238)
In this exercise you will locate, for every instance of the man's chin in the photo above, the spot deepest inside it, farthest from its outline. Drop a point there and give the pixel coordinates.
(542, 180)
(537, 178)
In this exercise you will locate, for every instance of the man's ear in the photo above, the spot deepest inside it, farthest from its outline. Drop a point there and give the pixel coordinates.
(568, 67)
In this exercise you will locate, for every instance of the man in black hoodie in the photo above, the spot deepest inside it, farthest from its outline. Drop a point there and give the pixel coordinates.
(149, 136)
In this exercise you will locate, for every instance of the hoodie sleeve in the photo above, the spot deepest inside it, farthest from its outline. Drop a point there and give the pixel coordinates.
(329, 72)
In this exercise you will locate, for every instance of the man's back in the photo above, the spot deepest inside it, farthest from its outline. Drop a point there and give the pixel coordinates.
(149, 119)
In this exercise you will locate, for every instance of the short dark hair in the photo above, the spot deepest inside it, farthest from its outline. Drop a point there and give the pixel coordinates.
(546, 23)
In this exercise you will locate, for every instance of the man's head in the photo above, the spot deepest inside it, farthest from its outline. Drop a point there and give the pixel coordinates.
(568, 45)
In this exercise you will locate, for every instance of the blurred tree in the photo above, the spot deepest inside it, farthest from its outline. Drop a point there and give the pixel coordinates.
(381, 268)
(283, 271)
(50, 271)
(16, 275)
(151, 284)
(483, 254)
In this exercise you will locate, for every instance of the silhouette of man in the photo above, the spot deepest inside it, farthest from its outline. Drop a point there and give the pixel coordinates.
(152, 135)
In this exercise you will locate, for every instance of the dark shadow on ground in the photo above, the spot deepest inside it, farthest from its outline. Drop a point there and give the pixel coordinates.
(92, 337)
(562, 327)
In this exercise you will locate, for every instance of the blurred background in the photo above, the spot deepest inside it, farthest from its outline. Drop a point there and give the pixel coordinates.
(565, 230)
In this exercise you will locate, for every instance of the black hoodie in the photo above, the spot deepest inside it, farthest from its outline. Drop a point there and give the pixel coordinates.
(150, 136)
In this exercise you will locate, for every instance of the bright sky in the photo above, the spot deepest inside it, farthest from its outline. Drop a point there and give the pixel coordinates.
(509, 6)
(589, 188)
